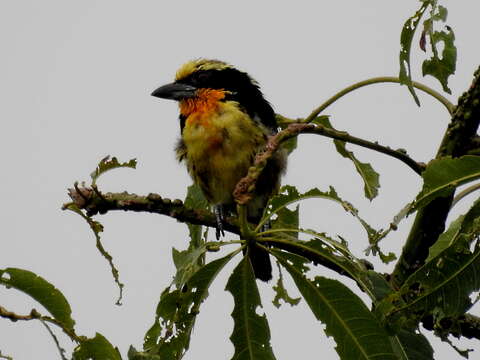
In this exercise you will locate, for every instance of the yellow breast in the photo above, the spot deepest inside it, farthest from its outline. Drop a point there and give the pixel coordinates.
(220, 142)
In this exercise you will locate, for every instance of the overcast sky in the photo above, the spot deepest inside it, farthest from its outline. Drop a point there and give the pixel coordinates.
(75, 79)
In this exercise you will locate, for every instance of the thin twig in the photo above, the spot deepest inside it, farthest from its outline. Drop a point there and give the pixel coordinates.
(55, 339)
(35, 315)
(465, 193)
(382, 79)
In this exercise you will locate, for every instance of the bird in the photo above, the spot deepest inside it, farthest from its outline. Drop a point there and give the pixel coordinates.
(224, 122)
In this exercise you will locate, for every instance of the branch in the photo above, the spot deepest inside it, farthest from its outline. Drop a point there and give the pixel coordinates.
(244, 189)
(35, 315)
(94, 202)
(383, 79)
(430, 220)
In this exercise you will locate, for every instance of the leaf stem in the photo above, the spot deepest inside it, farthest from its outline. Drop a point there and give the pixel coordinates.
(464, 193)
(382, 79)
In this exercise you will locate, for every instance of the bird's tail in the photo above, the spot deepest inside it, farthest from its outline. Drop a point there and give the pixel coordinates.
(261, 263)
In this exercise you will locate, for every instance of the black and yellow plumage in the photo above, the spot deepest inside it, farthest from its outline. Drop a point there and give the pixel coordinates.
(224, 122)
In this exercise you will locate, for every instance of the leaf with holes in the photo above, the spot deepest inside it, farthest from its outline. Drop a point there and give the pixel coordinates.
(440, 67)
(406, 38)
(355, 329)
(170, 334)
(442, 286)
(251, 334)
(107, 164)
(281, 293)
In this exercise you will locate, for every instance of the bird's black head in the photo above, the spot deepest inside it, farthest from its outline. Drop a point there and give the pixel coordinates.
(217, 75)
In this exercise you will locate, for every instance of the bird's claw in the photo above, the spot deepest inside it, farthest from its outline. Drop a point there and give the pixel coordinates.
(219, 217)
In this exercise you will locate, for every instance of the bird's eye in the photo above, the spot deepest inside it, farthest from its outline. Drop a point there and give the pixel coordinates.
(202, 77)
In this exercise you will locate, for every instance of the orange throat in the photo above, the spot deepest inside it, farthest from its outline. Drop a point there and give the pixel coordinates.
(199, 108)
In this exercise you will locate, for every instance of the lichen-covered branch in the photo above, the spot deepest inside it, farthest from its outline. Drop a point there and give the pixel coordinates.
(94, 202)
(430, 221)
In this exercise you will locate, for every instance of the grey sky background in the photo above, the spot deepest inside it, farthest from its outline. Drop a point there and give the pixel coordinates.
(75, 79)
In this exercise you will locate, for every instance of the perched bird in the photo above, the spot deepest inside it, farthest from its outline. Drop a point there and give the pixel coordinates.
(224, 122)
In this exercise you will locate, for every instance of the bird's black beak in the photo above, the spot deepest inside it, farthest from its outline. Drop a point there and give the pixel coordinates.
(175, 91)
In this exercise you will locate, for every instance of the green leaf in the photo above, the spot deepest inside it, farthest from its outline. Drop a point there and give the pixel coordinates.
(355, 329)
(369, 176)
(97, 348)
(409, 345)
(177, 311)
(442, 286)
(446, 239)
(406, 39)
(251, 334)
(289, 194)
(282, 294)
(442, 68)
(187, 263)
(133, 354)
(439, 67)
(195, 200)
(107, 164)
(41, 291)
(443, 175)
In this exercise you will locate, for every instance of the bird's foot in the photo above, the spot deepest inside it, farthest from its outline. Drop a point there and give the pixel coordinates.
(219, 217)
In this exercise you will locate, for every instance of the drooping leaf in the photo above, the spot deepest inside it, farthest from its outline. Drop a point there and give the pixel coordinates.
(289, 194)
(281, 293)
(443, 175)
(440, 67)
(442, 286)
(170, 334)
(41, 291)
(355, 329)
(406, 39)
(369, 176)
(107, 164)
(97, 348)
(97, 228)
(251, 334)
(340, 260)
